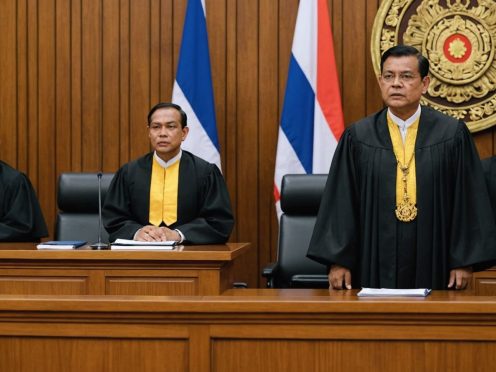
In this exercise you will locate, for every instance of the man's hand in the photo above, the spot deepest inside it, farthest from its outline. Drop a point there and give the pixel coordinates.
(460, 278)
(339, 277)
(171, 234)
(151, 233)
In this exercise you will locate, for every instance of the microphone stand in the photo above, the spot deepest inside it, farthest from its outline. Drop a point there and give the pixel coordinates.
(99, 245)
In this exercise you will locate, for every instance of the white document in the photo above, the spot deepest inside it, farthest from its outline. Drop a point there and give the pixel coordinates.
(388, 292)
(55, 247)
(126, 245)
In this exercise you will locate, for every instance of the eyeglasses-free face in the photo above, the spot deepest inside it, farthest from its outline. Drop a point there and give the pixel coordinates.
(402, 86)
(166, 133)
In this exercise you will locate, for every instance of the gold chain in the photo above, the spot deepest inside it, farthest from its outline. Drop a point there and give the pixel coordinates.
(406, 211)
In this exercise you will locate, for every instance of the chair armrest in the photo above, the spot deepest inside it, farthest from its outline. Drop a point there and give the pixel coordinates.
(269, 272)
(240, 285)
(309, 281)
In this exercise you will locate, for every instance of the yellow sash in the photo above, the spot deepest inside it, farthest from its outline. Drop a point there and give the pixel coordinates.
(405, 152)
(163, 194)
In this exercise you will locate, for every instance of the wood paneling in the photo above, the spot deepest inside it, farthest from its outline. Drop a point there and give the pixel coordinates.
(484, 282)
(248, 159)
(78, 78)
(250, 330)
(181, 284)
(355, 49)
(88, 354)
(8, 91)
(47, 282)
(268, 109)
(297, 356)
(111, 115)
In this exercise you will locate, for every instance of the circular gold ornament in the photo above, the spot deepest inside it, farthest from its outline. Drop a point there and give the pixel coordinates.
(458, 37)
(406, 211)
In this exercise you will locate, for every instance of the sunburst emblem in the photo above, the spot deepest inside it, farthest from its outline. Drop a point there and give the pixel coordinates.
(459, 39)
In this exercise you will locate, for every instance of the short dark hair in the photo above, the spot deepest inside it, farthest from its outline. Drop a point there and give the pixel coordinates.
(161, 105)
(405, 51)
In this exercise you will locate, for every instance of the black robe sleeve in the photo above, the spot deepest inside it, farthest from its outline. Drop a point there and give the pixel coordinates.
(489, 168)
(117, 213)
(21, 218)
(214, 221)
(473, 232)
(336, 236)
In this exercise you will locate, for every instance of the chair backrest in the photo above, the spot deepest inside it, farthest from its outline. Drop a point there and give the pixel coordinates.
(77, 200)
(300, 201)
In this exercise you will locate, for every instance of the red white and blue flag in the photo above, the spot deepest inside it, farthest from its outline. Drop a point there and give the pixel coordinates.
(312, 116)
(193, 86)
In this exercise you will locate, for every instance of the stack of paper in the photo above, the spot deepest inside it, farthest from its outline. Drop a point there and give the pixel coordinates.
(61, 244)
(124, 244)
(388, 292)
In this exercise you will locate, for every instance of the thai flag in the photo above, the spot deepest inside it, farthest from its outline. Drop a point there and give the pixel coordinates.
(312, 117)
(193, 86)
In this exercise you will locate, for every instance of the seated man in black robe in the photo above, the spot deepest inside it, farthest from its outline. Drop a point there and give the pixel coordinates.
(405, 205)
(168, 194)
(21, 219)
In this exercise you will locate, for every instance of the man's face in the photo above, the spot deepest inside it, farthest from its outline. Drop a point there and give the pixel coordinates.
(401, 85)
(166, 133)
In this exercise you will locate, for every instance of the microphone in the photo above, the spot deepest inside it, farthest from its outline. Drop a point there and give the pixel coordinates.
(99, 244)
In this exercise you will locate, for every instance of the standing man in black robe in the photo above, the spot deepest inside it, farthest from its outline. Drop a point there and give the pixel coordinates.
(168, 194)
(21, 219)
(405, 204)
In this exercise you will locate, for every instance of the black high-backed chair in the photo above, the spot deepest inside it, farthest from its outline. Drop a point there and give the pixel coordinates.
(300, 201)
(77, 200)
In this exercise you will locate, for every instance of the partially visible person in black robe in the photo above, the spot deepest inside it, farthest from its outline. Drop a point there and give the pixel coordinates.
(203, 211)
(204, 214)
(357, 230)
(489, 168)
(21, 219)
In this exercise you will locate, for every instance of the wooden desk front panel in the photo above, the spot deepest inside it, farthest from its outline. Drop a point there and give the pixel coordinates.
(283, 332)
(484, 282)
(322, 349)
(45, 281)
(186, 270)
(63, 354)
(164, 281)
(152, 282)
(53, 347)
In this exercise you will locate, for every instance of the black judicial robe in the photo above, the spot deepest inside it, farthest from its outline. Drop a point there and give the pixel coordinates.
(204, 213)
(357, 228)
(21, 219)
(489, 168)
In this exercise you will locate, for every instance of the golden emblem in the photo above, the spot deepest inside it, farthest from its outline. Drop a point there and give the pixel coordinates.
(458, 37)
(406, 211)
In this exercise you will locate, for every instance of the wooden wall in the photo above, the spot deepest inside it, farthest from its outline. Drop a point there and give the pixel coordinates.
(77, 78)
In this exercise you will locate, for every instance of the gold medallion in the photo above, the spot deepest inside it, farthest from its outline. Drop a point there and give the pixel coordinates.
(406, 211)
